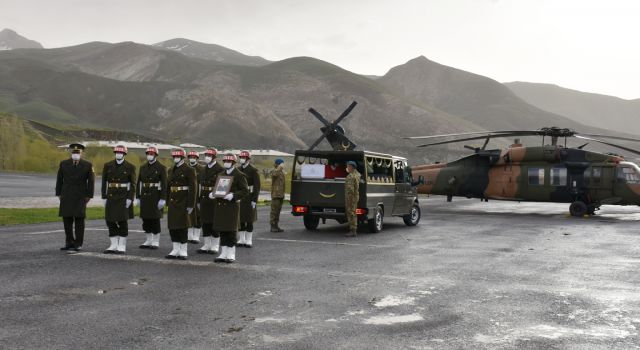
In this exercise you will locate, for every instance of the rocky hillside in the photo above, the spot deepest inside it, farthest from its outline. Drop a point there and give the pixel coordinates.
(211, 52)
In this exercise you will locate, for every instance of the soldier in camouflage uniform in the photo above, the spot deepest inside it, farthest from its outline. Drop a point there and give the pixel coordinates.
(227, 218)
(351, 197)
(74, 188)
(248, 211)
(182, 186)
(277, 194)
(196, 222)
(207, 205)
(118, 191)
(152, 194)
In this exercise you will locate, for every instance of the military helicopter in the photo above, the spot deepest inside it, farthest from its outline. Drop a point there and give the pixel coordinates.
(546, 173)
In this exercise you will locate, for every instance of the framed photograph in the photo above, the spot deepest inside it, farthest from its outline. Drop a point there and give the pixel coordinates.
(223, 186)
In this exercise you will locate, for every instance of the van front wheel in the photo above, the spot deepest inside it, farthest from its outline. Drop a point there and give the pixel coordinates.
(413, 218)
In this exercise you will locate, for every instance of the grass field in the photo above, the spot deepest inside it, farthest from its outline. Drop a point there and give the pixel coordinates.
(24, 216)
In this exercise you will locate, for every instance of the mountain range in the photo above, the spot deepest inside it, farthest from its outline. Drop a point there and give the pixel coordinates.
(597, 110)
(10, 40)
(181, 90)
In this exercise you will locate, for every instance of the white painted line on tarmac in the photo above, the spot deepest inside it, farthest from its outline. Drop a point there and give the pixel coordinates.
(322, 242)
(142, 258)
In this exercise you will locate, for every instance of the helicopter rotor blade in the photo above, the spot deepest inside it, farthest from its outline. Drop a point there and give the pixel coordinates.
(529, 133)
(315, 144)
(345, 113)
(610, 137)
(319, 116)
(631, 150)
(471, 133)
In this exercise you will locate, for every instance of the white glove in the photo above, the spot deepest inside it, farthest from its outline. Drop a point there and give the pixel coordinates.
(253, 205)
(136, 203)
(189, 210)
(161, 204)
(211, 196)
(229, 197)
(128, 203)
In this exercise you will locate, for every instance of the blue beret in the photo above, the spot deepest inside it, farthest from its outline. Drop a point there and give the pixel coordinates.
(352, 163)
(279, 161)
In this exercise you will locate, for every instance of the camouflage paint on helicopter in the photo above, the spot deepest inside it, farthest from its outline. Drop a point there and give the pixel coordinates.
(548, 173)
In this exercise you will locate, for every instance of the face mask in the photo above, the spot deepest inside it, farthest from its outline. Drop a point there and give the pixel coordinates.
(75, 156)
(119, 156)
(150, 157)
(177, 160)
(228, 165)
(208, 160)
(243, 160)
(193, 161)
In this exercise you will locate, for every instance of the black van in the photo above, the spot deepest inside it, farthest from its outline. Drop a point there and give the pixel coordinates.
(386, 188)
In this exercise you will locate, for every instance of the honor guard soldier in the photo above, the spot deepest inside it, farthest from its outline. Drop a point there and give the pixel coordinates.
(74, 188)
(207, 205)
(118, 189)
(227, 212)
(152, 194)
(182, 188)
(248, 211)
(277, 194)
(196, 224)
(351, 197)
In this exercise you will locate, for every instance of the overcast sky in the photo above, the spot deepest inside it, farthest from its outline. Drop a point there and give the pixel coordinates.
(580, 44)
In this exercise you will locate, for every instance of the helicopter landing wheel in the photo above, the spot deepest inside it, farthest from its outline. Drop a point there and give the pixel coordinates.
(578, 209)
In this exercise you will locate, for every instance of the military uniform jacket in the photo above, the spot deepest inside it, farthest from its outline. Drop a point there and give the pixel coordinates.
(124, 177)
(195, 214)
(152, 187)
(183, 176)
(227, 218)
(352, 188)
(207, 183)
(247, 212)
(277, 183)
(74, 185)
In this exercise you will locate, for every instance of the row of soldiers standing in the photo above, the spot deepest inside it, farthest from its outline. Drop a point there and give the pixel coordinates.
(188, 189)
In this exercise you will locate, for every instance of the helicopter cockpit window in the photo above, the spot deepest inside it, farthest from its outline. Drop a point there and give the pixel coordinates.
(536, 176)
(379, 170)
(558, 176)
(628, 174)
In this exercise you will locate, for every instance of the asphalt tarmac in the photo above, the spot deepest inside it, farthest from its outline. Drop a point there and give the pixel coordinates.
(472, 275)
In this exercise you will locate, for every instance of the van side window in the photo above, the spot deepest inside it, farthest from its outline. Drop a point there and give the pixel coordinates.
(379, 170)
(536, 176)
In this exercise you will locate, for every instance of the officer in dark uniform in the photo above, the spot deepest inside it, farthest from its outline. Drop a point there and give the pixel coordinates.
(182, 188)
(227, 218)
(196, 222)
(152, 194)
(74, 188)
(118, 189)
(248, 211)
(207, 205)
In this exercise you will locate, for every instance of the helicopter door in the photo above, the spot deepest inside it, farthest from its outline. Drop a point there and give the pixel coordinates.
(600, 183)
(404, 199)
